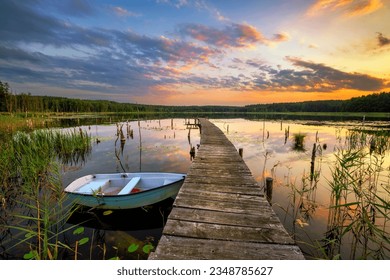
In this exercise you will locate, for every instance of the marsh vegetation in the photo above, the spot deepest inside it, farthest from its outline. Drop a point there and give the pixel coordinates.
(331, 182)
(38, 222)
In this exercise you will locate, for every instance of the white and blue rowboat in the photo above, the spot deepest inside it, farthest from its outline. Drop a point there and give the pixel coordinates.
(124, 190)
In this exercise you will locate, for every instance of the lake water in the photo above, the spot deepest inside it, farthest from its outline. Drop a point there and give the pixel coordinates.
(302, 190)
(149, 146)
(301, 183)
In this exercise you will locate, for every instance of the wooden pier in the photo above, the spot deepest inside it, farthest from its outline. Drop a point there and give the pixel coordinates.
(221, 212)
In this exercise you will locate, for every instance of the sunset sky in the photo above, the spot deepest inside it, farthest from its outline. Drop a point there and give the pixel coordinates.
(202, 52)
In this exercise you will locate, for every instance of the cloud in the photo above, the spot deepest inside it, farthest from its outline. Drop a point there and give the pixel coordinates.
(382, 40)
(122, 12)
(36, 48)
(315, 77)
(197, 4)
(349, 8)
(364, 7)
(18, 20)
(76, 7)
(280, 37)
(305, 76)
(176, 3)
(158, 50)
(232, 36)
(39, 49)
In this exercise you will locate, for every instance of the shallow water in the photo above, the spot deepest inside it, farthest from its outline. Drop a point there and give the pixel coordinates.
(146, 146)
(269, 151)
(301, 190)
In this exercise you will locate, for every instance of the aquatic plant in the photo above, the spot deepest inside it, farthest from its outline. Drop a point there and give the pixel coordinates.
(34, 206)
(359, 206)
(299, 141)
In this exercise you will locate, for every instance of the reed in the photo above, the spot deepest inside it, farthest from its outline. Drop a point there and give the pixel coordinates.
(35, 207)
(359, 202)
(11, 123)
(299, 141)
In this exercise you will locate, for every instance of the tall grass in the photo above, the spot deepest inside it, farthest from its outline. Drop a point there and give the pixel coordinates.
(34, 207)
(359, 205)
(358, 222)
(299, 141)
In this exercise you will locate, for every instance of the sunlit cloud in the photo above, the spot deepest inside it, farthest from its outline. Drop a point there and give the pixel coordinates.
(280, 37)
(321, 6)
(346, 7)
(232, 36)
(365, 7)
(315, 77)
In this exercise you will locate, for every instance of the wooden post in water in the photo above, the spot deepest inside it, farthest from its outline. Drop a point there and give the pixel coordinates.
(268, 188)
(313, 159)
(241, 152)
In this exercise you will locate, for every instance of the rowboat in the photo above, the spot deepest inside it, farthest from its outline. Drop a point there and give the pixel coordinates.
(124, 190)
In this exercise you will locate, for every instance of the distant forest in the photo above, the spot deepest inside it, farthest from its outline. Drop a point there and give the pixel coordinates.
(25, 102)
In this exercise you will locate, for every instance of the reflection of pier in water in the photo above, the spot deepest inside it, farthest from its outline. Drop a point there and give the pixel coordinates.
(221, 212)
(191, 124)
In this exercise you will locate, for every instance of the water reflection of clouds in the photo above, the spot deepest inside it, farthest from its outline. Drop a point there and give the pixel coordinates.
(280, 159)
(157, 145)
(291, 169)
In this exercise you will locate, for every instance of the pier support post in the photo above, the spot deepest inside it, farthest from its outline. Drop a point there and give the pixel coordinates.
(268, 188)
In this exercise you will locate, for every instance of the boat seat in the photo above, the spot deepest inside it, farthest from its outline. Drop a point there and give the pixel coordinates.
(167, 181)
(130, 185)
(93, 186)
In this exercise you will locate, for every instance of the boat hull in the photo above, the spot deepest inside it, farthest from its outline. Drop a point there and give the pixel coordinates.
(151, 195)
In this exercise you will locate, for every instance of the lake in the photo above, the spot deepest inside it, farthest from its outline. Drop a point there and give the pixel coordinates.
(149, 146)
(302, 156)
(303, 181)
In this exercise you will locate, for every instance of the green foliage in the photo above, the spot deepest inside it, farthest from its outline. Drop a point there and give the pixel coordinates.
(132, 248)
(147, 248)
(4, 95)
(377, 102)
(78, 230)
(299, 141)
(358, 212)
(84, 240)
(34, 205)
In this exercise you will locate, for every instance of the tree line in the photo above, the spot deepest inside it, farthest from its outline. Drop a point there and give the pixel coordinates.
(25, 102)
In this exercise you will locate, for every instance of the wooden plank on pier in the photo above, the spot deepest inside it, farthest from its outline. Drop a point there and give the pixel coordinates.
(221, 212)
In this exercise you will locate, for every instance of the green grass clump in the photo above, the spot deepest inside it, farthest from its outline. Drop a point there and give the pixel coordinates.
(359, 206)
(299, 141)
(34, 207)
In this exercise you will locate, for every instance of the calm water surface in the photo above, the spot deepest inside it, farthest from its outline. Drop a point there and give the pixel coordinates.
(269, 153)
(149, 146)
(301, 192)
(300, 199)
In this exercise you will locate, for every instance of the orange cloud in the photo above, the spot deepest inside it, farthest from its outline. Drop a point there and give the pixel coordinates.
(365, 7)
(232, 36)
(324, 5)
(347, 7)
